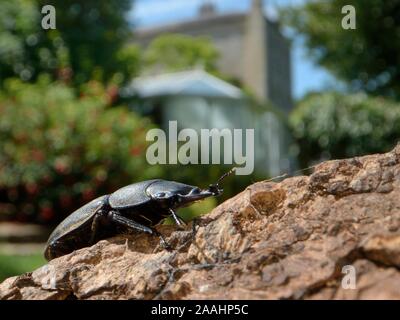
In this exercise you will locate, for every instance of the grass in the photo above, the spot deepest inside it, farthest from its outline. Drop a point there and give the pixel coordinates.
(12, 265)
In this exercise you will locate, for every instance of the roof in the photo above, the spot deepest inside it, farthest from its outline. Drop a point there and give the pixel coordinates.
(189, 83)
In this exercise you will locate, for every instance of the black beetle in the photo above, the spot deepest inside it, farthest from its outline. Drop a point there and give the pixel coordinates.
(137, 206)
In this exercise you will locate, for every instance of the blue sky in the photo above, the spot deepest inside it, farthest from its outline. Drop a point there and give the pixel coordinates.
(305, 74)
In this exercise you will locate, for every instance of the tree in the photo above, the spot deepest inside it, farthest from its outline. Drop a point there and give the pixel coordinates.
(174, 52)
(88, 43)
(367, 57)
(332, 125)
(95, 32)
(25, 48)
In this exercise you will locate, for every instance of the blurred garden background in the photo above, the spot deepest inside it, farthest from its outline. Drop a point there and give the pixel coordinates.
(71, 130)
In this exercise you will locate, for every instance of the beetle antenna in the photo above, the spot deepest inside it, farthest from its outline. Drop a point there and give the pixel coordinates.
(215, 186)
(226, 174)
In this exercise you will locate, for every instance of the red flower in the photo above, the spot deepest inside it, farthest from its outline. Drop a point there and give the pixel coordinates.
(112, 94)
(61, 166)
(136, 151)
(47, 179)
(65, 201)
(88, 194)
(47, 213)
(37, 155)
(32, 188)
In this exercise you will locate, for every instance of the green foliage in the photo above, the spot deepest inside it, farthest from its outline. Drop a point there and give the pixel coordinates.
(24, 45)
(195, 210)
(334, 125)
(94, 32)
(59, 151)
(174, 52)
(88, 43)
(366, 58)
(12, 265)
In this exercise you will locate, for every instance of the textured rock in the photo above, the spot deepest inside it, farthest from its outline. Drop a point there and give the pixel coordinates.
(274, 240)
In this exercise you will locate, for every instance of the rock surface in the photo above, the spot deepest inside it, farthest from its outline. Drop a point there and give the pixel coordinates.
(300, 238)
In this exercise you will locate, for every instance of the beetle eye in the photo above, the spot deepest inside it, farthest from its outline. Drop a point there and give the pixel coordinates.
(162, 195)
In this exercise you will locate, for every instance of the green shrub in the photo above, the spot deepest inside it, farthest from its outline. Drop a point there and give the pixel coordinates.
(59, 151)
(333, 125)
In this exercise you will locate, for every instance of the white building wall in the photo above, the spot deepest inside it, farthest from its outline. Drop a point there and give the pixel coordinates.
(201, 113)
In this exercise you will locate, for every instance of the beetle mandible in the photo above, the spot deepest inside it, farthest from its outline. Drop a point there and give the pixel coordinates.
(137, 207)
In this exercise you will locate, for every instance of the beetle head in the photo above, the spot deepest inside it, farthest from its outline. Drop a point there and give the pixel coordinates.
(215, 188)
(171, 194)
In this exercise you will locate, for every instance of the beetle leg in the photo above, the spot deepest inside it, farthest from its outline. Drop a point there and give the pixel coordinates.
(95, 225)
(194, 231)
(117, 218)
(178, 220)
(162, 240)
(54, 250)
